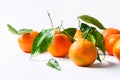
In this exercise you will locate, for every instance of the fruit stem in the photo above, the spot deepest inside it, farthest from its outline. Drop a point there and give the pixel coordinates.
(50, 19)
(79, 24)
(61, 25)
(66, 32)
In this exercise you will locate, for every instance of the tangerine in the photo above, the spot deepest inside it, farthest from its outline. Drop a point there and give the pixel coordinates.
(25, 41)
(60, 45)
(109, 31)
(83, 52)
(110, 41)
(116, 49)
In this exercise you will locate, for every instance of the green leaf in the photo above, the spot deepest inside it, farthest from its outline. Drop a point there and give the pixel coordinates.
(12, 29)
(98, 58)
(99, 41)
(24, 31)
(91, 38)
(18, 32)
(42, 41)
(70, 32)
(86, 29)
(54, 64)
(92, 20)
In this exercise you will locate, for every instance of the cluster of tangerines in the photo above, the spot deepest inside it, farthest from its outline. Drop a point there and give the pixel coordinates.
(112, 41)
(81, 51)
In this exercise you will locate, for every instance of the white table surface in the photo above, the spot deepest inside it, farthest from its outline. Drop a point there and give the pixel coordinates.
(16, 65)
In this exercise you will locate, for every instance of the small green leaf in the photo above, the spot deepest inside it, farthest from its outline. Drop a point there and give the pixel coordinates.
(98, 58)
(42, 41)
(85, 30)
(18, 32)
(92, 20)
(70, 32)
(12, 29)
(54, 64)
(24, 31)
(91, 38)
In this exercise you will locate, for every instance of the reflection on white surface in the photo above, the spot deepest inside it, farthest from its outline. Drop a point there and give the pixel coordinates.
(16, 65)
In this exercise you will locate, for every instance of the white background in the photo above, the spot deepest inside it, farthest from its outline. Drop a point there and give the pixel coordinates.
(15, 64)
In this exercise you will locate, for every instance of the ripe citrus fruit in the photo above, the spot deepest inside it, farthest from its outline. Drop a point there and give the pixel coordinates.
(116, 49)
(60, 45)
(83, 52)
(110, 41)
(78, 35)
(25, 41)
(109, 31)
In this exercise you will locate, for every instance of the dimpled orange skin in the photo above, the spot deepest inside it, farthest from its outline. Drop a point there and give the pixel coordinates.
(83, 52)
(109, 31)
(116, 49)
(110, 41)
(60, 45)
(25, 41)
